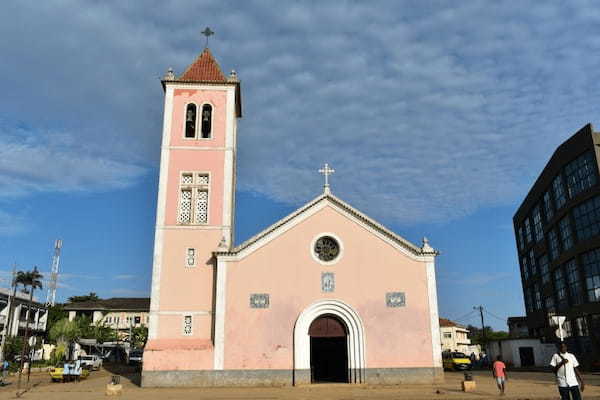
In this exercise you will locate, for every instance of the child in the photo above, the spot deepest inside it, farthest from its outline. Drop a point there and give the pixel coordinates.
(499, 373)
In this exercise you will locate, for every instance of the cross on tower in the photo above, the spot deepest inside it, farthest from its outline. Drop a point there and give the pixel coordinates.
(207, 32)
(326, 171)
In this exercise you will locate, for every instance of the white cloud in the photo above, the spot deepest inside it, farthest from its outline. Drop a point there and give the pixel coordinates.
(427, 112)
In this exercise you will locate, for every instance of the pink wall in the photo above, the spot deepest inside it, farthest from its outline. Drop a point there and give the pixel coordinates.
(183, 288)
(284, 268)
(194, 160)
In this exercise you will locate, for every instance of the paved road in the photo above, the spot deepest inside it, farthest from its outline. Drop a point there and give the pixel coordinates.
(522, 385)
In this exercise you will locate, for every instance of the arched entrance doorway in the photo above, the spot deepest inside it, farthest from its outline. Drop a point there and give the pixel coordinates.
(328, 350)
(355, 338)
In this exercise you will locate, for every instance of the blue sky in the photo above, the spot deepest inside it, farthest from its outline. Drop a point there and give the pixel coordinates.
(437, 117)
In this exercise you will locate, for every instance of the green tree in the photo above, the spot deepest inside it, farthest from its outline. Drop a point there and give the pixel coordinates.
(88, 297)
(13, 347)
(64, 332)
(139, 336)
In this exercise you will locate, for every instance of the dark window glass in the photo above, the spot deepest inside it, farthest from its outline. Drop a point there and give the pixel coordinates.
(587, 218)
(521, 238)
(566, 236)
(581, 173)
(543, 264)
(537, 296)
(548, 206)
(525, 268)
(527, 230)
(190, 121)
(574, 282)
(528, 301)
(553, 244)
(532, 264)
(549, 303)
(559, 192)
(537, 224)
(591, 267)
(582, 329)
(561, 289)
(206, 121)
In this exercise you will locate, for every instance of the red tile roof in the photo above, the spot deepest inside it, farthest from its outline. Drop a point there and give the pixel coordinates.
(204, 69)
(447, 322)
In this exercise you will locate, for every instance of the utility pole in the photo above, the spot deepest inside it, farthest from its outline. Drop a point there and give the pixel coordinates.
(480, 309)
(8, 322)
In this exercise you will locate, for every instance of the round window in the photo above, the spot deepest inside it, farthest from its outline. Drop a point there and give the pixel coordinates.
(327, 248)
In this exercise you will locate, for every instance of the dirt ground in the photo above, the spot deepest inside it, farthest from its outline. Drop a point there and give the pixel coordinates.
(522, 385)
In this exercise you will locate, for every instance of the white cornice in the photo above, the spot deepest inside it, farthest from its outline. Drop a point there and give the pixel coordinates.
(339, 206)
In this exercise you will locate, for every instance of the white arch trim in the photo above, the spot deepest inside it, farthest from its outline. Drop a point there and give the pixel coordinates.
(356, 336)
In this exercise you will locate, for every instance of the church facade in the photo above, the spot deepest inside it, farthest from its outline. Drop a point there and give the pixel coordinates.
(326, 294)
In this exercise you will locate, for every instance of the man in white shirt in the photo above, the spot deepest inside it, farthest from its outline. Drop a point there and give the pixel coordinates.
(568, 377)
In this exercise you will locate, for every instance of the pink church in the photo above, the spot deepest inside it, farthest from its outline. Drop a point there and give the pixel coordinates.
(324, 295)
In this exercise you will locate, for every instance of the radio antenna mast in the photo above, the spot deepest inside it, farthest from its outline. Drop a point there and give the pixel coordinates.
(51, 297)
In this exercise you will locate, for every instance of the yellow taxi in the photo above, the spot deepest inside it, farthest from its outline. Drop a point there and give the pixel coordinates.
(456, 361)
(57, 374)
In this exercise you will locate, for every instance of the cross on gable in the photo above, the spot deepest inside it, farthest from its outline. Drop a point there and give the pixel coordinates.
(326, 171)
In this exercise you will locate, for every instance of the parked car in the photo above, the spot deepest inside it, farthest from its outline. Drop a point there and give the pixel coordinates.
(456, 361)
(136, 356)
(57, 374)
(92, 361)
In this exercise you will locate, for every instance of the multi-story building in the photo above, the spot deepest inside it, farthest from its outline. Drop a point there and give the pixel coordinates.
(455, 337)
(118, 313)
(20, 316)
(557, 229)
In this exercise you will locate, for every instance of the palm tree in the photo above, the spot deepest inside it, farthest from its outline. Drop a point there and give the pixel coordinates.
(33, 280)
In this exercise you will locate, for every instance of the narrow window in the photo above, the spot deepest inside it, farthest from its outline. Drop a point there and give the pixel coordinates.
(190, 121)
(206, 121)
(187, 325)
(190, 257)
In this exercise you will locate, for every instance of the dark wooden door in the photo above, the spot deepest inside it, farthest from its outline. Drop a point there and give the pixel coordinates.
(328, 350)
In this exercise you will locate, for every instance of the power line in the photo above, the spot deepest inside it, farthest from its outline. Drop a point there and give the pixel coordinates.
(464, 316)
(495, 316)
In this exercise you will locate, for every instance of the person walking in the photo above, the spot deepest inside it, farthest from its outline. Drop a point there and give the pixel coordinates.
(499, 373)
(5, 367)
(568, 378)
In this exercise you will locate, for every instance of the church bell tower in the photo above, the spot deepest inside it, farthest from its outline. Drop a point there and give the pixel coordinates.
(195, 212)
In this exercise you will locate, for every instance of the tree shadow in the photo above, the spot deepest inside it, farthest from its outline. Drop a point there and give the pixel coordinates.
(132, 373)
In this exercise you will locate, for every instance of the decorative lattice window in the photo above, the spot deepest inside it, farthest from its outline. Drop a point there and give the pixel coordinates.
(190, 257)
(185, 206)
(193, 198)
(187, 325)
(201, 207)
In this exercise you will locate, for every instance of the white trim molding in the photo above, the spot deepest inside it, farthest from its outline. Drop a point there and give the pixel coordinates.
(336, 238)
(436, 344)
(219, 354)
(356, 336)
(160, 215)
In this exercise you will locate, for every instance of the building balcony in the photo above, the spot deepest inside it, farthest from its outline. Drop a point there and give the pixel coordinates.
(32, 325)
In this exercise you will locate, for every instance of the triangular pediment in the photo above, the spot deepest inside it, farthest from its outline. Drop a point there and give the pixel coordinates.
(327, 199)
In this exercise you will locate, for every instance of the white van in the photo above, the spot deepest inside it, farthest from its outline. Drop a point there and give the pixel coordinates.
(93, 362)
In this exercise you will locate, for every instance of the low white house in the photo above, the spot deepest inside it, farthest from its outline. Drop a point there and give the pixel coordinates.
(522, 352)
